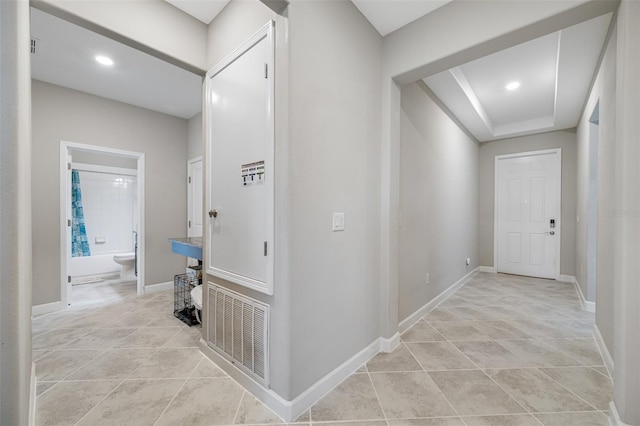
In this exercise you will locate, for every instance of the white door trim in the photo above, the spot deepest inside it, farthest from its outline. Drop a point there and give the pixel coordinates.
(558, 229)
(65, 243)
(190, 164)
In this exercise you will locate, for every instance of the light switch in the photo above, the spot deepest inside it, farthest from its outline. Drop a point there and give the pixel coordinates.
(338, 222)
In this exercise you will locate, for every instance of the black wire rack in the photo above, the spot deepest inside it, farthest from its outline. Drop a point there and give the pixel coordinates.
(183, 308)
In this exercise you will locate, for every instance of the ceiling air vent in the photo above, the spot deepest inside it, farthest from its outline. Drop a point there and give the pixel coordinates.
(35, 46)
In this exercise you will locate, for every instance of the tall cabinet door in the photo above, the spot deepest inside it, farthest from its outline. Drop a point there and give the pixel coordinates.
(239, 189)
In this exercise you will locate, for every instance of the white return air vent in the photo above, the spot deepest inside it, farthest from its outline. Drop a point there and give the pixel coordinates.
(238, 329)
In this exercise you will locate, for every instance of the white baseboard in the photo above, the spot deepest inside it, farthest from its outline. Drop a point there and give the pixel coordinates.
(390, 344)
(614, 416)
(406, 323)
(32, 396)
(588, 306)
(604, 352)
(489, 269)
(567, 279)
(47, 308)
(291, 410)
(154, 288)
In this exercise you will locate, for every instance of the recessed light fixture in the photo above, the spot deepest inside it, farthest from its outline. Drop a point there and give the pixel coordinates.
(513, 85)
(104, 60)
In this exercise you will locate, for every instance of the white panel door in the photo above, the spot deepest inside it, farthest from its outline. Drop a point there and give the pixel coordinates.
(527, 216)
(240, 160)
(195, 196)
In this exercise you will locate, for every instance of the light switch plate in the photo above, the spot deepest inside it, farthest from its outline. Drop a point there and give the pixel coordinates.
(338, 222)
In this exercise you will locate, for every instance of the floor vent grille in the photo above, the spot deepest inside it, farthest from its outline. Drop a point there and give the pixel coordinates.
(237, 328)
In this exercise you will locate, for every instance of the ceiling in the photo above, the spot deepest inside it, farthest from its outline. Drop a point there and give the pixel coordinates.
(554, 71)
(65, 56)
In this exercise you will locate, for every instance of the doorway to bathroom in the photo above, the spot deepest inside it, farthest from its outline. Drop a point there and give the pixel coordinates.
(102, 226)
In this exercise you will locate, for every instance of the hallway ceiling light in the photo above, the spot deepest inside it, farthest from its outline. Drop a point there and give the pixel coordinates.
(513, 85)
(104, 60)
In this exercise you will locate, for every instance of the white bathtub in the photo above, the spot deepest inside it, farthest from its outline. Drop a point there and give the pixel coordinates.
(93, 265)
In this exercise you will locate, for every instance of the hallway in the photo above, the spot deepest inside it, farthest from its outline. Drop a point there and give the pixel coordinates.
(501, 350)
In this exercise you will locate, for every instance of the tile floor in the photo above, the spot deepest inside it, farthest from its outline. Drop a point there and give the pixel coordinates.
(503, 350)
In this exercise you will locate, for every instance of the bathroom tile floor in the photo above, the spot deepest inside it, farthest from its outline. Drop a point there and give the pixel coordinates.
(503, 350)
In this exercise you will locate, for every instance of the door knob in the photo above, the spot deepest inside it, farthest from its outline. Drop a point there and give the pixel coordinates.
(213, 213)
(551, 233)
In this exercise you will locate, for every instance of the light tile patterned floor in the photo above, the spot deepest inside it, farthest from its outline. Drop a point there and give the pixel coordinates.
(503, 350)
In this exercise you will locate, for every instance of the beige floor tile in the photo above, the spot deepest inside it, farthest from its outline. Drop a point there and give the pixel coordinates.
(490, 354)
(207, 368)
(304, 417)
(409, 395)
(366, 423)
(134, 402)
(57, 338)
(151, 337)
(500, 330)
(441, 314)
(163, 319)
(474, 393)
(602, 370)
(100, 338)
(574, 419)
(503, 420)
(68, 402)
(113, 364)
(439, 356)
(61, 363)
(541, 329)
(472, 313)
(584, 351)
(536, 391)
(353, 399)
(36, 355)
(204, 402)
(458, 330)
(588, 384)
(42, 387)
(434, 421)
(187, 337)
(398, 360)
(421, 332)
(538, 353)
(252, 411)
(168, 363)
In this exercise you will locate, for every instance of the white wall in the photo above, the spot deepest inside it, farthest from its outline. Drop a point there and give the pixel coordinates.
(564, 139)
(438, 200)
(334, 95)
(194, 137)
(72, 116)
(17, 384)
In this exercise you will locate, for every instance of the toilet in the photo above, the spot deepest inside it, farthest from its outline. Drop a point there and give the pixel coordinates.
(127, 262)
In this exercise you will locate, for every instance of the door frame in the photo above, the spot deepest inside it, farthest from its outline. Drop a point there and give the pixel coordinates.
(190, 164)
(65, 201)
(496, 200)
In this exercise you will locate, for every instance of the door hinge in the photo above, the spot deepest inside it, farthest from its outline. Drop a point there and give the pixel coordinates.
(68, 278)
(266, 70)
(68, 166)
(189, 224)
(189, 179)
(265, 248)
(68, 222)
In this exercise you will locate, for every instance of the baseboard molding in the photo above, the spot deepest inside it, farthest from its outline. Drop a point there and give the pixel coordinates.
(32, 396)
(567, 279)
(291, 410)
(390, 344)
(154, 288)
(614, 416)
(406, 323)
(586, 305)
(489, 269)
(47, 308)
(604, 352)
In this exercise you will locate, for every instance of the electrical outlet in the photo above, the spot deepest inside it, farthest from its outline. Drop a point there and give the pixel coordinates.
(468, 260)
(338, 222)
(427, 280)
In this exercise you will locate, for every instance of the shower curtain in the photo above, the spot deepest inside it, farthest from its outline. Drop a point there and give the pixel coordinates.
(79, 242)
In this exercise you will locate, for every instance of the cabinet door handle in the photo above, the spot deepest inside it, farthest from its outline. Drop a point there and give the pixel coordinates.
(213, 213)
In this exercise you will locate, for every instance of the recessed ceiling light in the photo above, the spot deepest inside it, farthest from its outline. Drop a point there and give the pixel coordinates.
(104, 60)
(513, 85)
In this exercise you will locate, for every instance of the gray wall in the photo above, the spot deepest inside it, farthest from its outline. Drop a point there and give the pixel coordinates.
(72, 116)
(85, 157)
(335, 107)
(438, 200)
(564, 139)
(194, 137)
(604, 90)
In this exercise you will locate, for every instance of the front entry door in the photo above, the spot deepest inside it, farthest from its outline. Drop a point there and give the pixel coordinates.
(528, 214)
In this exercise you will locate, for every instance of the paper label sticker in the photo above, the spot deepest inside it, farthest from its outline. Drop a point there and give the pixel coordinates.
(252, 173)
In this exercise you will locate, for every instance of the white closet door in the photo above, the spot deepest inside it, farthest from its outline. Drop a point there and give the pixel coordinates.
(240, 161)
(195, 196)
